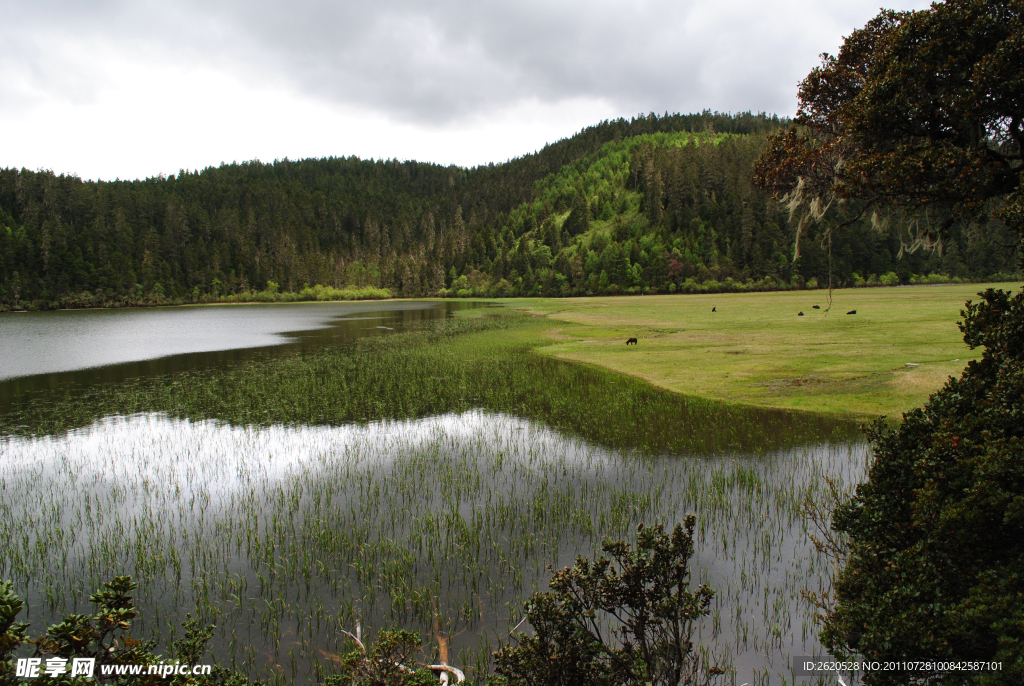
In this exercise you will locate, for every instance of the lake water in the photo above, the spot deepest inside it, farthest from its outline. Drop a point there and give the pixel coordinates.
(285, 534)
(50, 351)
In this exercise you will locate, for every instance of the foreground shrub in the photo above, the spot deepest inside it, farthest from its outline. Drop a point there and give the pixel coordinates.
(625, 620)
(104, 636)
(386, 663)
(936, 535)
(12, 632)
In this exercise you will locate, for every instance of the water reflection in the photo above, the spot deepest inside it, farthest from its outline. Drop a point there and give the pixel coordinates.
(283, 536)
(57, 351)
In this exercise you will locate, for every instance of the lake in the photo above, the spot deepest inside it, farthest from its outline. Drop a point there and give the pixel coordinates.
(50, 350)
(288, 470)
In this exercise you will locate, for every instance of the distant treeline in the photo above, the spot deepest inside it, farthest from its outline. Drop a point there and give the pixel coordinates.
(656, 203)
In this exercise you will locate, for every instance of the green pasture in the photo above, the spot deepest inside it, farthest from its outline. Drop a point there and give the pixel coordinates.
(900, 347)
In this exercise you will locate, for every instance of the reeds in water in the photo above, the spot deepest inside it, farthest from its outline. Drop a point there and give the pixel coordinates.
(422, 480)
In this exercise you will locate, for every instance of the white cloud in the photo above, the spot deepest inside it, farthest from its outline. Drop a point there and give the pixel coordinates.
(134, 89)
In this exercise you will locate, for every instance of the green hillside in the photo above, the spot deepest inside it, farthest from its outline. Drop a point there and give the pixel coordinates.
(674, 212)
(654, 204)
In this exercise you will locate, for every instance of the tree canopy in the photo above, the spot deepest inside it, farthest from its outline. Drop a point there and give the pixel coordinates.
(937, 532)
(918, 119)
(66, 242)
(653, 204)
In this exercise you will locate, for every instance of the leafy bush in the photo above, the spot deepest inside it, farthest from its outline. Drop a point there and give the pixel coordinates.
(890, 279)
(625, 620)
(12, 632)
(384, 664)
(936, 535)
(105, 636)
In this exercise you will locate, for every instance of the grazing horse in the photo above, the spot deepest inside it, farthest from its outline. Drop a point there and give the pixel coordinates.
(631, 340)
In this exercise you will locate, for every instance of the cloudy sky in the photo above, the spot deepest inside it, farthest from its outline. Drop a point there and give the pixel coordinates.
(128, 89)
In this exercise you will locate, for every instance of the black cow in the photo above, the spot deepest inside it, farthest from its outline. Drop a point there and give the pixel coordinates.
(714, 309)
(800, 314)
(817, 307)
(852, 312)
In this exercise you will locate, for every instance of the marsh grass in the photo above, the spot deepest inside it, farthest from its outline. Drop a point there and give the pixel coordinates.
(478, 360)
(397, 481)
(285, 535)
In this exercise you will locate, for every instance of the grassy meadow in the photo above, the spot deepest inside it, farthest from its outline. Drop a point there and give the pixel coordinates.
(900, 347)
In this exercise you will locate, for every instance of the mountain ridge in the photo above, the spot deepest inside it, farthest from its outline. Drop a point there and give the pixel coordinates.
(655, 204)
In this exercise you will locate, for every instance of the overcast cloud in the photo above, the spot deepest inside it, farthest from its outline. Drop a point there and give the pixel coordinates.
(110, 88)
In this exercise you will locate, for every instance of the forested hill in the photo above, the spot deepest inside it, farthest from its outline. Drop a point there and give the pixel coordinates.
(650, 204)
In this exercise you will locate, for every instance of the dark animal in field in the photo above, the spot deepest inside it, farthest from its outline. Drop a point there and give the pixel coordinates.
(817, 307)
(631, 340)
(799, 314)
(852, 312)
(714, 309)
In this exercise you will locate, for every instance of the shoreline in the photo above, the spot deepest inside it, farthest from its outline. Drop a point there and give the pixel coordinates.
(879, 363)
(292, 297)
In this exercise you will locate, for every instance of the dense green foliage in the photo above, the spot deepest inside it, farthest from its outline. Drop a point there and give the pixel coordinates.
(105, 636)
(937, 532)
(387, 662)
(917, 120)
(12, 632)
(336, 221)
(676, 212)
(652, 204)
(625, 619)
